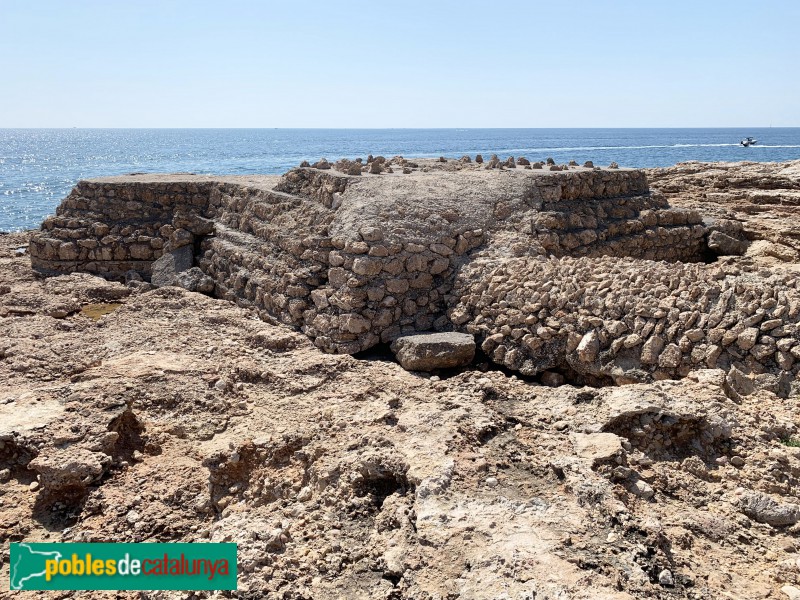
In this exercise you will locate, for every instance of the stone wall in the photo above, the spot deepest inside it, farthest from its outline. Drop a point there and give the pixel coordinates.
(115, 226)
(270, 249)
(391, 269)
(635, 226)
(632, 320)
(357, 260)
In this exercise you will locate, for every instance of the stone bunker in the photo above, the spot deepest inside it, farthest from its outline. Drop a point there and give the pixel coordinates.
(578, 270)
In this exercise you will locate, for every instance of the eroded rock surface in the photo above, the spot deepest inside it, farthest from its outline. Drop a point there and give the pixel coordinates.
(753, 203)
(140, 414)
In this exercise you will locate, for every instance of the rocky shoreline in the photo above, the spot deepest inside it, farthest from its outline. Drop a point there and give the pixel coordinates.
(626, 427)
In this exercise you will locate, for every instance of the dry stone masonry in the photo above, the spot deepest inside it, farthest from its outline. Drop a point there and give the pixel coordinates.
(569, 270)
(633, 320)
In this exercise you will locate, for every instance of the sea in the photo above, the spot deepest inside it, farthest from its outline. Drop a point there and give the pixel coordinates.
(38, 167)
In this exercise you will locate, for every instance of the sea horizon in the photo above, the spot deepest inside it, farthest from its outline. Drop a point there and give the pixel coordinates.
(39, 166)
(462, 128)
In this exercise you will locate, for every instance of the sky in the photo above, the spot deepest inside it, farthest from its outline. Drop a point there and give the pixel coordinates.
(239, 63)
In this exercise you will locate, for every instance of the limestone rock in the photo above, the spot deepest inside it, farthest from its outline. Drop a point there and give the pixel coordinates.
(597, 447)
(670, 357)
(589, 347)
(431, 351)
(651, 351)
(643, 489)
(792, 593)
(764, 509)
(165, 270)
(194, 280)
(747, 338)
(69, 468)
(180, 237)
(723, 244)
(665, 578)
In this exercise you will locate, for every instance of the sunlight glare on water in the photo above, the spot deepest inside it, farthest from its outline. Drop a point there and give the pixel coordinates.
(38, 167)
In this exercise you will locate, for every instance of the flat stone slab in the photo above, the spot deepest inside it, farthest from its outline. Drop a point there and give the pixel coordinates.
(27, 411)
(430, 351)
(597, 447)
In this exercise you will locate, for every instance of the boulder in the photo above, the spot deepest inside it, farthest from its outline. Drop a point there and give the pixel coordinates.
(166, 269)
(69, 468)
(791, 592)
(430, 351)
(589, 347)
(179, 238)
(349, 167)
(764, 509)
(724, 245)
(194, 280)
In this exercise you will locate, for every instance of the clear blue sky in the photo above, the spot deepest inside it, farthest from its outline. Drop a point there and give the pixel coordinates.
(236, 63)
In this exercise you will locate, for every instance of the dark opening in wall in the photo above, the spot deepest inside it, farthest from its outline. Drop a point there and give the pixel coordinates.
(708, 256)
(482, 363)
(379, 352)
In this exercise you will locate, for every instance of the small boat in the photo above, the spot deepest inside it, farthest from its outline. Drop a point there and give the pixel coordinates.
(748, 141)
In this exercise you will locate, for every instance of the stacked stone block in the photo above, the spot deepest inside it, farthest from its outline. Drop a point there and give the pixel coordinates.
(111, 228)
(291, 250)
(631, 320)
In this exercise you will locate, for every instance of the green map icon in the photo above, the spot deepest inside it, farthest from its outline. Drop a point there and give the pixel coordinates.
(28, 564)
(123, 566)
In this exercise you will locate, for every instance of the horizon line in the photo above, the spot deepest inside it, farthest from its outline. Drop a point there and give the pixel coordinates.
(409, 128)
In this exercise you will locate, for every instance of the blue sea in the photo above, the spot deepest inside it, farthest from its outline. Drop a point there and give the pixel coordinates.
(39, 166)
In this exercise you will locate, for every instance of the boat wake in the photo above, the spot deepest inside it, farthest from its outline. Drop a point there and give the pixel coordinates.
(536, 150)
